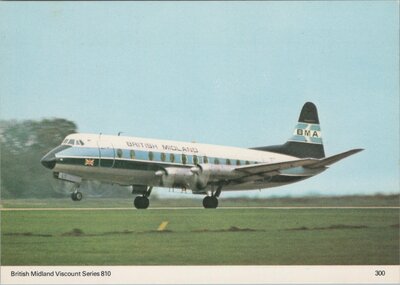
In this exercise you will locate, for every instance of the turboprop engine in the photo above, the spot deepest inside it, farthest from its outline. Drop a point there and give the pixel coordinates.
(195, 178)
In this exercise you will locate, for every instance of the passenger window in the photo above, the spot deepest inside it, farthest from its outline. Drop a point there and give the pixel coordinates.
(247, 162)
(151, 155)
(228, 162)
(205, 159)
(238, 162)
(184, 159)
(81, 142)
(132, 154)
(195, 159)
(172, 157)
(216, 161)
(163, 156)
(71, 142)
(119, 153)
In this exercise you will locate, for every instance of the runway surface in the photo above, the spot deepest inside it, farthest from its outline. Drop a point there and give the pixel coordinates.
(193, 208)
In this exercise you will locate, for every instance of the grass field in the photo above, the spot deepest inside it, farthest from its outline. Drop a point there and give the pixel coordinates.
(199, 237)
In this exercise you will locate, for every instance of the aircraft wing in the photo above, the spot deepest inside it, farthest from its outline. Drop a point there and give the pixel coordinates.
(274, 168)
(334, 158)
(269, 168)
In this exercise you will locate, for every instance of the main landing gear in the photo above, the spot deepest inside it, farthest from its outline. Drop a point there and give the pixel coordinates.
(211, 202)
(142, 202)
(76, 195)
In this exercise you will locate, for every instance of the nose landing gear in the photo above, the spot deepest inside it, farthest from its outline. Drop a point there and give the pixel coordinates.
(76, 195)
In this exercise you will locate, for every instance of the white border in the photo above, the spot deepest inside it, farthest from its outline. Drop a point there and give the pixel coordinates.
(209, 275)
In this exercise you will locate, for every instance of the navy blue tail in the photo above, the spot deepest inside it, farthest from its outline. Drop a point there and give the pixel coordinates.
(306, 140)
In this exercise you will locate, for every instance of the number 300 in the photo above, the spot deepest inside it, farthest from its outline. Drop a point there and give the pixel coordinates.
(379, 272)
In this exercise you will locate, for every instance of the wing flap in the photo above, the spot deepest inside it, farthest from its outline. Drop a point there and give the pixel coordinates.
(273, 168)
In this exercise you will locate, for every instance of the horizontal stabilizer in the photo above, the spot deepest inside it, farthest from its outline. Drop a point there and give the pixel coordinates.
(266, 168)
(332, 159)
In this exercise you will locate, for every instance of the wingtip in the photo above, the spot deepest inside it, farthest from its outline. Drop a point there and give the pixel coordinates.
(354, 151)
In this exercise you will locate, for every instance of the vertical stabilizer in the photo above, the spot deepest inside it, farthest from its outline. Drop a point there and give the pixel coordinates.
(306, 140)
(307, 129)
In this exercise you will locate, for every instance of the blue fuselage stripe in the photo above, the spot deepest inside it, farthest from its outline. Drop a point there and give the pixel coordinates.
(139, 155)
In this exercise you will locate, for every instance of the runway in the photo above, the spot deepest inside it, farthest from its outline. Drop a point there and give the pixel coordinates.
(199, 208)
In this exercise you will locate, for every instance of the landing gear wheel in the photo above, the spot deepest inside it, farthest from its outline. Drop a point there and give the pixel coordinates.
(76, 196)
(210, 202)
(141, 202)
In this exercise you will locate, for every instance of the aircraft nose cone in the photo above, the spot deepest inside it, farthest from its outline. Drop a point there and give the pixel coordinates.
(49, 160)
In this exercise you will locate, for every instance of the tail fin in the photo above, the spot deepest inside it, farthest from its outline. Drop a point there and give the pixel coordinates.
(306, 140)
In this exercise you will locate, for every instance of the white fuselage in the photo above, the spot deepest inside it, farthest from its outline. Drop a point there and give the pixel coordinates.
(137, 161)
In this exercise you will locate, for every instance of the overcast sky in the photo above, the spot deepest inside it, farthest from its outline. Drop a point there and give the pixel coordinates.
(229, 73)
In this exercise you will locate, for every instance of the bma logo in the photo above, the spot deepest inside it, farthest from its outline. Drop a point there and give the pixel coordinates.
(307, 133)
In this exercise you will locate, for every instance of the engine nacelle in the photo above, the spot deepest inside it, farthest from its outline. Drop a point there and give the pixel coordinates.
(201, 176)
(176, 177)
(197, 177)
(215, 171)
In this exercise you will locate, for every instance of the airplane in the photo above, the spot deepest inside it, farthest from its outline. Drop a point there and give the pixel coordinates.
(204, 169)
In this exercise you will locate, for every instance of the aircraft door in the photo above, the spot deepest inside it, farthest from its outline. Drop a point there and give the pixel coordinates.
(107, 153)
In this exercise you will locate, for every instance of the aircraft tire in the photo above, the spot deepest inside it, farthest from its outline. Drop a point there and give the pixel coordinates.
(78, 196)
(210, 202)
(141, 202)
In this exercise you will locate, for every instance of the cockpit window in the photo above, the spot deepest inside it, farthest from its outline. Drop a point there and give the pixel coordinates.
(79, 142)
(73, 142)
